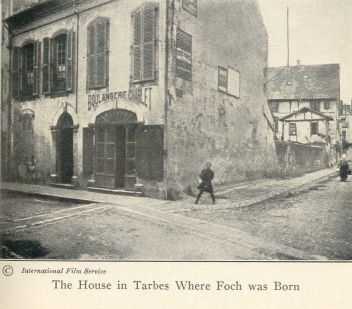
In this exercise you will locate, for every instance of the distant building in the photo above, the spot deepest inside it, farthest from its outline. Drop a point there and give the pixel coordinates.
(346, 130)
(138, 95)
(305, 101)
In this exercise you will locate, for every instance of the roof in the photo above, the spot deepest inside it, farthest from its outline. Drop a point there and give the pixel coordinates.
(39, 10)
(305, 110)
(303, 82)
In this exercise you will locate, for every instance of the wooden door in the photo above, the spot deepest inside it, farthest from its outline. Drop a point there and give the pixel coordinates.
(105, 141)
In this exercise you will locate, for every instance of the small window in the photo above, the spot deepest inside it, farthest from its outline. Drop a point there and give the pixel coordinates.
(315, 106)
(229, 81)
(274, 106)
(326, 105)
(314, 128)
(190, 6)
(293, 129)
(344, 135)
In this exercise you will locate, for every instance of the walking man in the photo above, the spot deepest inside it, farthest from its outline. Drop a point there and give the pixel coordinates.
(206, 176)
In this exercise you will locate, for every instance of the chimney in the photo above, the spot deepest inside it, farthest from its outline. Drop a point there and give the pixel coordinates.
(299, 63)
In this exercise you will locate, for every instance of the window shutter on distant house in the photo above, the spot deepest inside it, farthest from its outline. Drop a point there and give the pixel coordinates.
(36, 66)
(70, 47)
(97, 53)
(46, 66)
(16, 72)
(144, 42)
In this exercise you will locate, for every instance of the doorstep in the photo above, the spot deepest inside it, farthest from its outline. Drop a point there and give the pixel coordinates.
(63, 186)
(115, 191)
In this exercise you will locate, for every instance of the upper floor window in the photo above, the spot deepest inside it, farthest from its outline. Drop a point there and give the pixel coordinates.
(28, 69)
(315, 106)
(98, 53)
(144, 43)
(326, 105)
(58, 63)
(274, 106)
(229, 81)
(59, 69)
(190, 6)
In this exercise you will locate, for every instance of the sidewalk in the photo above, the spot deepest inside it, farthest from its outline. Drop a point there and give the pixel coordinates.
(239, 195)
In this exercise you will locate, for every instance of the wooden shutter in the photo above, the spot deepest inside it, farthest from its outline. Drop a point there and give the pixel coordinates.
(91, 56)
(16, 72)
(101, 48)
(52, 66)
(137, 45)
(150, 152)
(46, 66)
(70, 47)
(149, 27)
(36, 66)
(88, 151)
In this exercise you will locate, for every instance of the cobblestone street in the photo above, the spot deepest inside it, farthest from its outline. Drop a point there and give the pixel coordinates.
(309, 221)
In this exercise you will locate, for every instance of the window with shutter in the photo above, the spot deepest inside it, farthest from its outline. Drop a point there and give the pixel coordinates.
(144, 43)
(98, 53)
(46, 66)
(28, 68)
(16, 73)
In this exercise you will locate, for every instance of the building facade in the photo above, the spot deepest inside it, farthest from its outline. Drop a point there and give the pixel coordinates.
(310, 91)
(138, 95)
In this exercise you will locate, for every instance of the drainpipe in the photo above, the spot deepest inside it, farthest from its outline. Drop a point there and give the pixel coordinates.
(9, 107)
(77, 49)
(166, 90)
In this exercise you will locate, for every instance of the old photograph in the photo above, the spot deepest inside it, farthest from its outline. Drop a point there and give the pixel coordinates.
(176, 130)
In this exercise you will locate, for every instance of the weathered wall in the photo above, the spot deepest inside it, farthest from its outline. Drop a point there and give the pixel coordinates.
(47, 109)
(207, 125)
(296, 159)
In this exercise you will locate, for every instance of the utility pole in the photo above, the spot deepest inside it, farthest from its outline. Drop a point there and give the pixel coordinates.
(288, 38)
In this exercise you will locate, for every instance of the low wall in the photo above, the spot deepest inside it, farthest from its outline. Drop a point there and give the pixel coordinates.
(296, 159)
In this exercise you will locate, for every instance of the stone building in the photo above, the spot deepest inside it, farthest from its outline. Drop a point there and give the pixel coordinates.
(132, 95)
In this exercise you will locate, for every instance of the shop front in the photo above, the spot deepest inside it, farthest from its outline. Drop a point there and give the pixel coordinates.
(125, 151)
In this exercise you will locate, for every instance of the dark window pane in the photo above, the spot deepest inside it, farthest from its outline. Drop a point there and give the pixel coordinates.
(100, 151)
(130, 167)
(110, 151)
(110, 166)
(100, 134)
(101, 166)
(111, 132)
(131, 150)
(131, 134)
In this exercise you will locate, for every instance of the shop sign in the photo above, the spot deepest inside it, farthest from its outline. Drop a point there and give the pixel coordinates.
(184, 55)
(134, 94)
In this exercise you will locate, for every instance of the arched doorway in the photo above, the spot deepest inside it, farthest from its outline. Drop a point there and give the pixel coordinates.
(115, 141)
(64, 148)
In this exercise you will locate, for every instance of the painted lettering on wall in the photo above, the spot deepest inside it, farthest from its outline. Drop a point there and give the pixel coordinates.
(134, 94)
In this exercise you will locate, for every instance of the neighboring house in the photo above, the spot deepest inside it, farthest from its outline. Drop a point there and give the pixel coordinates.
(346, 130)
(138, 95)
(309, 92)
